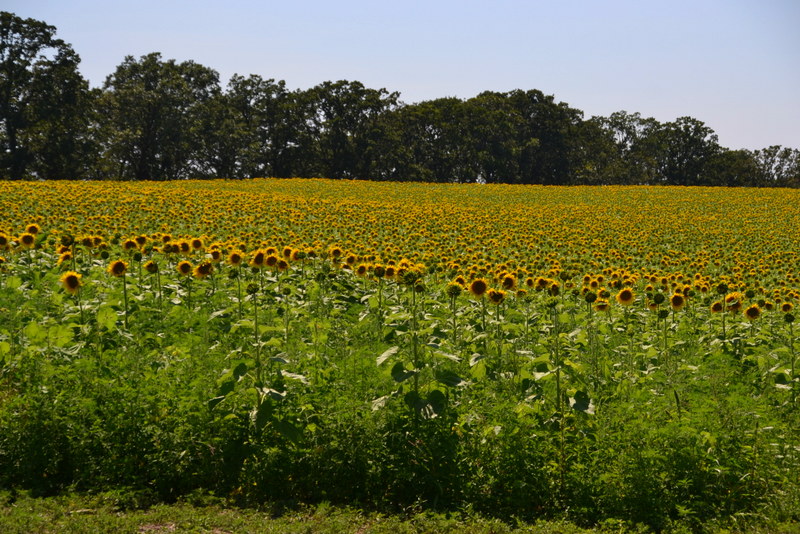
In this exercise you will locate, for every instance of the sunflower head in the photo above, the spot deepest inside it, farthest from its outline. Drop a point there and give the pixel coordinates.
(71, 281)
(203, 270)
(151, 267)
(27, 240)
(625, 297)
(677, 301)
(753, 312)
(717, 307)
(32, 229)
(478, 287)
(508, 281)
(601, 305)
(184, 268)
(235, 258)
(117, 268)
(496, 296)
(454, 289)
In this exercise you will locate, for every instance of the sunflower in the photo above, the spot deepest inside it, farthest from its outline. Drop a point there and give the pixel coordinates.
(71, 281)
(27, 240)
(258, 259)
(677, 301)
(271, 260)
(454, 289)
(733, 301)
(601, 305)
(4, 241)
(281, 264)
(786, 307)
(753, 312)
(554, 288)
(196, 243)
(32, 229)
(378, 271)
(130, 244)
(117, 268)
(717, 307)
(184, 268)
(478, 287)
(508, 281)
(362, 270)
(625, 297)
(65, 257)
(203, 270)
(151, 267)
(235, 258)
(496, 296)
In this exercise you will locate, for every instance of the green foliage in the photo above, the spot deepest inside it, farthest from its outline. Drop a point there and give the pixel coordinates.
(538, 407)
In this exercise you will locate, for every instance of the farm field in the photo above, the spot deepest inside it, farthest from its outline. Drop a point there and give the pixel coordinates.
(590, 354)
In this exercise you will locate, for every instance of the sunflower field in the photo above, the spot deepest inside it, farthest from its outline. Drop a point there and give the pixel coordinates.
(594, 354)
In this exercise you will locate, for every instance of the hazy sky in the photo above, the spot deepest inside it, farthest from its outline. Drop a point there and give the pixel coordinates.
(732, 64)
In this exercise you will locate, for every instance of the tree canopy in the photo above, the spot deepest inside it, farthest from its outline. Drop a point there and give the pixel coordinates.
(157, 119)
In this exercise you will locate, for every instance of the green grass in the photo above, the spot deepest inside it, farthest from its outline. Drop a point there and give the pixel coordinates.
(108, 514)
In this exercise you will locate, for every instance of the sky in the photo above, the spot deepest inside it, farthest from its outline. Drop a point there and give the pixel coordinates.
(733, 64)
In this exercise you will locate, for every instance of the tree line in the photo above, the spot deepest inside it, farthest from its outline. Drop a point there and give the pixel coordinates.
(157, 119)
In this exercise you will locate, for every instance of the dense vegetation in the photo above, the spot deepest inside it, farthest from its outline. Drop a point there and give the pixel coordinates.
(156, 119)
(592, 354)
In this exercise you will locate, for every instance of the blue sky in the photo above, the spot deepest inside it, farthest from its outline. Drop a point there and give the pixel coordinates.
(732, 64)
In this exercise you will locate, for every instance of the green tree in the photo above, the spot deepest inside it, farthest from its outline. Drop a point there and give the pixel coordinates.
(151, 109)
(777, 166)
(687, 146)
(348, 126)
(45, 104)
(545, 139)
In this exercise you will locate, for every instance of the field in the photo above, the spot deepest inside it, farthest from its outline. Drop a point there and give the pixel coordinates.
(601, 355)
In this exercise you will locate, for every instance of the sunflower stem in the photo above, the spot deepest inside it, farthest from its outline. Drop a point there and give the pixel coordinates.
(125, 297)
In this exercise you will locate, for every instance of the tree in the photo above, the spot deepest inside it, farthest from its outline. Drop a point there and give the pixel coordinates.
(687, 145)
(544, 145)
(347, 123)
(45, 104)
(637, 144)
(150, 109)
(777, 166)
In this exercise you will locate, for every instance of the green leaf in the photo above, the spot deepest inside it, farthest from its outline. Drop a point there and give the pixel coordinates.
(437, 401)
(449, 378)
(478, 370)
(226, 387)
(59, 335)
(262, 414)
(239, 371)
(388, 353)
(288, 430)
(581, 402)
(106, 317)
(211, 403)
(400, 373)
(35, 333)
(5, 348)
(13, 282)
